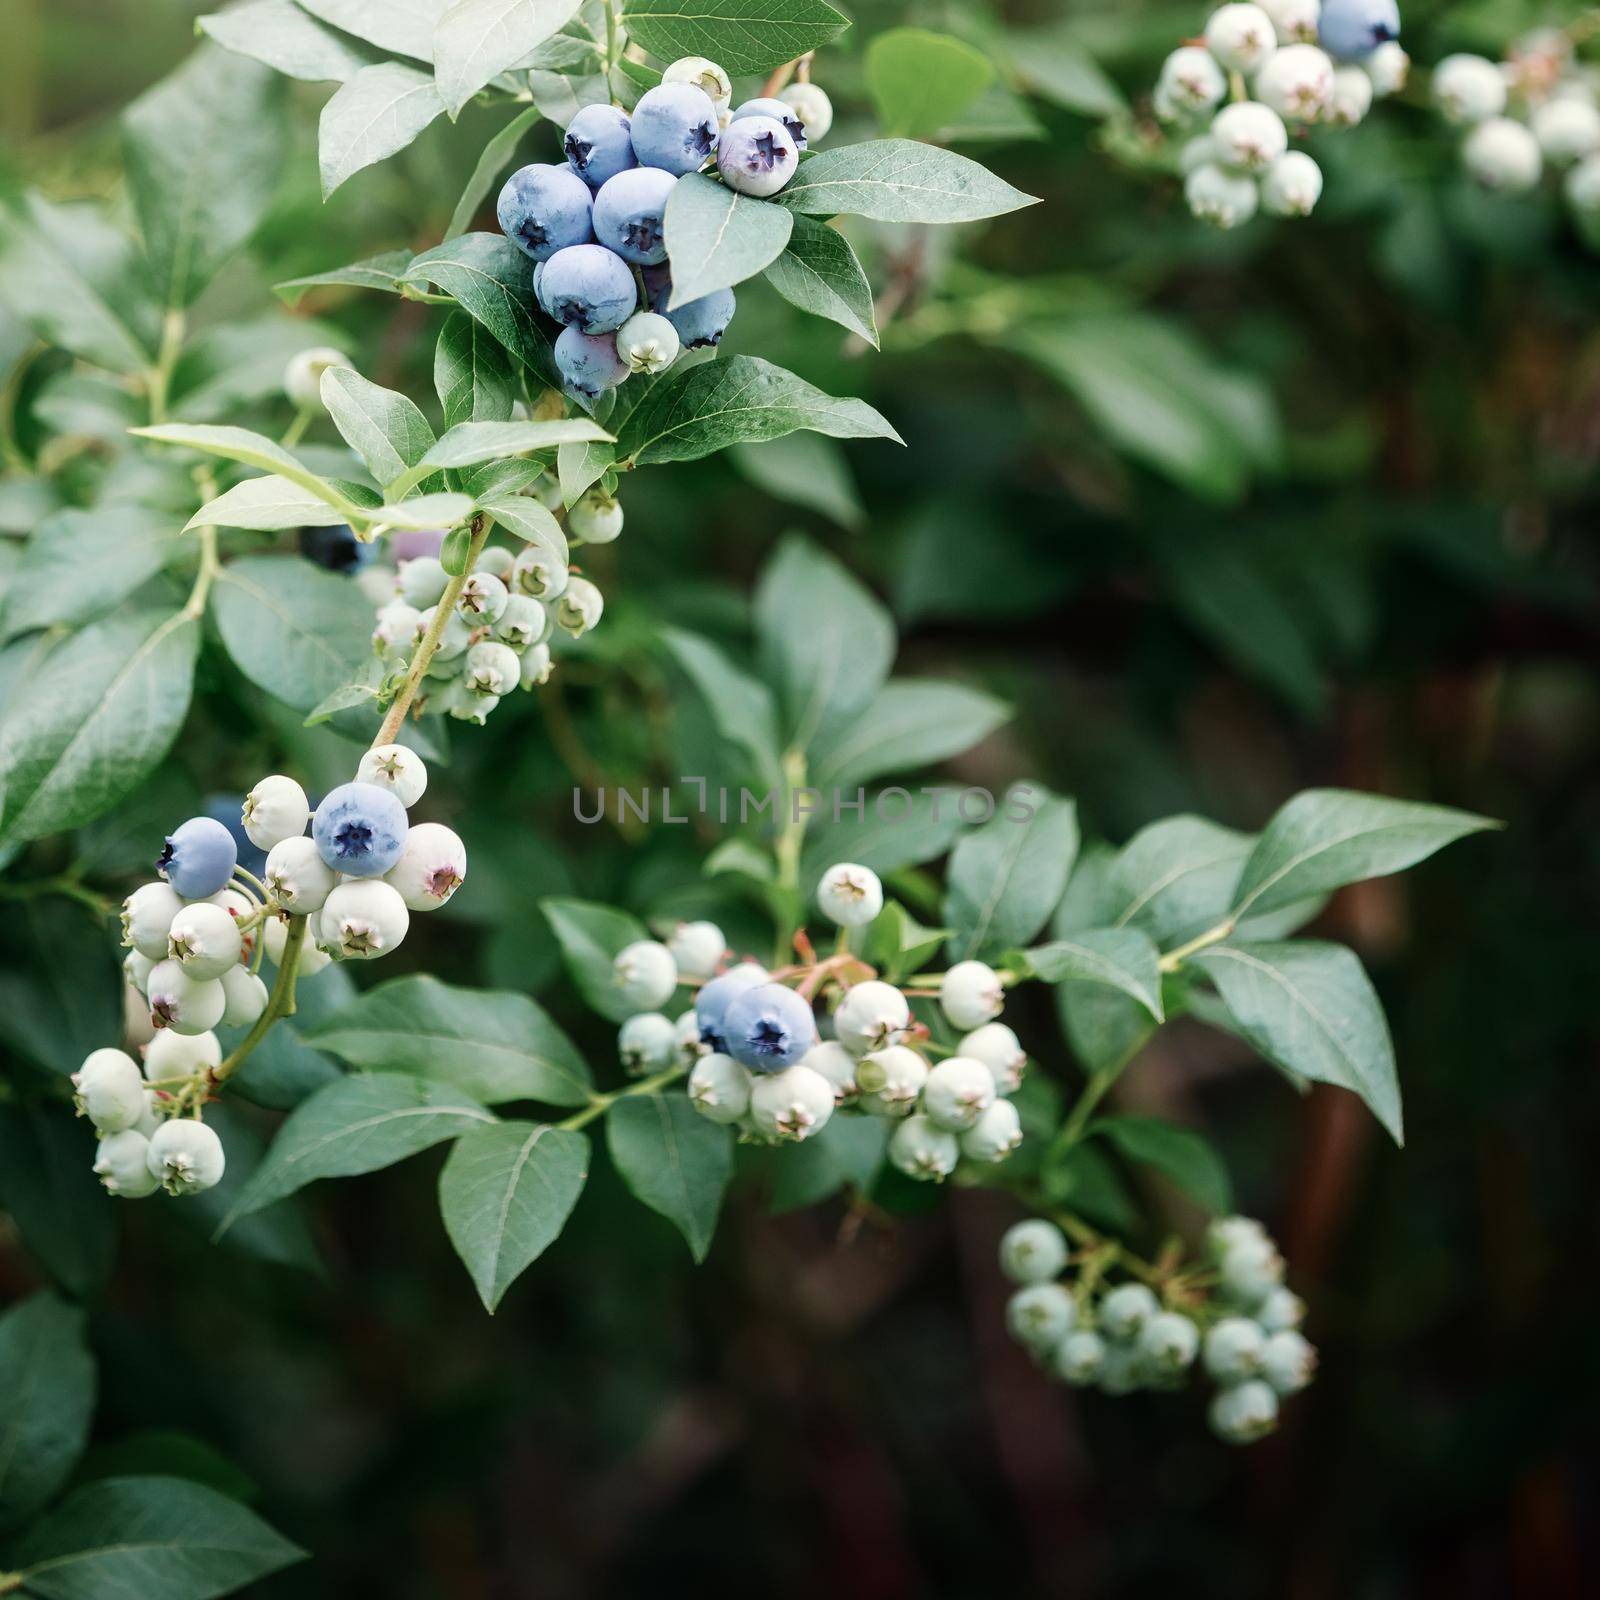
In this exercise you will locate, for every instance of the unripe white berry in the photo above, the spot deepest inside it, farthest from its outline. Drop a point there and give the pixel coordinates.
(245, 995)
(1289, 1362)
(136, 968)
(645, 974)
(922, 1150)
(1280, 1310)
(1225, 1232)
(1249, 1271)
(791, 1105)
(522, 623)
(121, 1162)
(172, 1059)
(1241, 37)
(1126, 1309)
(1292, 186)
(204, 940)
(1294, 21)
(109, 1090)
(647, 1043)
(1249, 136)
(275, 931)
(1244, 1412)
(1468, 88)
(690, 1046)
(482, 598)
(648, 343)
(537, 666)
(395, 628)
(185, 1156)
(275, 810)
(496, 560)
(1568, 129)
(971, 994)
(580, 607)
(1168, 1344)
(492, 669)
(813, 107)
(999, 1049)
(432, 866)
(719, 1089)
(1582, 187)
(1196, 152)
(1222, 198)
(832, 1061)
(297, 877)
(958, 1092)
(1034, 1251)
(1191, 83)
(1352, 98)
(890, 1081)
(184, 1004)
(1041, 1315)
(1389, 67)
(994, 1135)
(1503, 155)
(705, 75)
(871, 1016)
(399, 770)
(422, 581)
(697, 947)
(547, 491)
(363, 920)
(1234, 1349)
(540, 573)
(1296, 83)
(302, 378)
(596, 517)
(849, 895)
(147, 916)
(1080, 1358)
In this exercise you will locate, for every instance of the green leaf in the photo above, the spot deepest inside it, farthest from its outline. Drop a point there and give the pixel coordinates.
(281, 35)
(741, 706)
(232, 365)
(472, 373)
(742, 36)
(476, 40)
(1175, 878)
(1309, 1008)
(1007, 877)
(673, 1160)
(492, 281)
(47, 1388)
(1105, 1027)
(1086, 1179)
(468, 443)
(848, 1151)
(492, 1046)
(268, 503)
(357, 1124)
(292, 628)
(913, 723)
(1052, 65)
(894, 830)
(68, 273)
(921, 81)
(830, 671)
(126, 1537)
(251, 449)
(445, 510)
(590, 936)
(55, 1201)
(283, 1069)
(1120, 958)
(898, 945)
(526, 519)
(385, 271)
(1325, 838)
(819, 273)
(382, 426)
(717, 238)
(204, 152)
(1184, 1156)
(81, 563)
(805, 469)
(505, 1194)
(84, 732)
(378, 112)
(496, 156)
(580, 465)
(403, 26)
(899, 180)
(744, 398)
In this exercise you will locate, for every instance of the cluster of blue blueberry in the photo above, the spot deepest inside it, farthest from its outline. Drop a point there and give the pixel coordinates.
(1280, 66)
(758, 1060)
(1118, 1338)
(353, 867)
(1537, 109)
(595, 225)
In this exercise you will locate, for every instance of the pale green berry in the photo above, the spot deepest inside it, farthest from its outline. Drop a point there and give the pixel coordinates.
(1034, 1251)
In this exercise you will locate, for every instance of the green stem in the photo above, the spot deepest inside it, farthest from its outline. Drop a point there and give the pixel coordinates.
(64, 884)
(1174, 959)
(159, 378)
(296, 429)
(601, 1103)
(279, 1004)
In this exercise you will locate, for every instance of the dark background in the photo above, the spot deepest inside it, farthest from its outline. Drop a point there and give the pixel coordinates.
(1384, 579)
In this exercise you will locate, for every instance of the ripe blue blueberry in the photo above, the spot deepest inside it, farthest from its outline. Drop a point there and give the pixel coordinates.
(674, 127)
(198, 858)
(756, 156)
(337, 548)
(712, 1002)
(589, 365)
(1350, 29)
(783, 112)
(360, 829)
(588, 288)
(598, 144)
(701, 323)
(545, 209)
(769, 1027)
(628, 211)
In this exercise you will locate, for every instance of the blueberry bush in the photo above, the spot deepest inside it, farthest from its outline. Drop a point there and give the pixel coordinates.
(326, 420)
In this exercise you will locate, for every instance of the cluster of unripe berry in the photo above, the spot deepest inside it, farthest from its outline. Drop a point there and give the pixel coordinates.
(1282, 67)
(595, 226)
(758, 1059)
(1536, 109)
(498, 635)
(1122, 1337)
(197, 936)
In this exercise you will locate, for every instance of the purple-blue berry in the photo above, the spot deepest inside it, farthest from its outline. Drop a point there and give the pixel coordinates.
(336, 548)
(702, 322)
(674, 127)
(628, 212)
(756, 156)
(782, 111)
(589, 363)
(598, 144)
(712, 1003)
(198, 858)
(360, 829)
(1351, 29)
(589, 288)
(545, 209)
(769, 1027)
